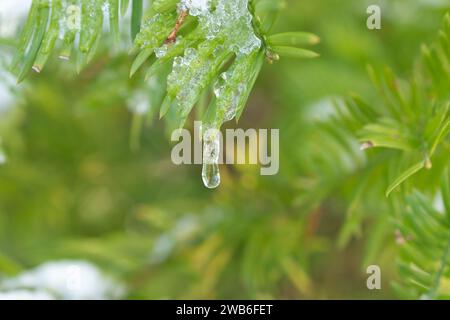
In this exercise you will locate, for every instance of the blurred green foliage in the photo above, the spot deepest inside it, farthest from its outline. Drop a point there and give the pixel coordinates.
(72, 187)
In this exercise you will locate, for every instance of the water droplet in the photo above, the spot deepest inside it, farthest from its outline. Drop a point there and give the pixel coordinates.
(211, 154)
(161, 51)
(211, 175)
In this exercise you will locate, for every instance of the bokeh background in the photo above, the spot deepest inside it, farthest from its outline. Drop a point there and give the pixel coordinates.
(85, 215)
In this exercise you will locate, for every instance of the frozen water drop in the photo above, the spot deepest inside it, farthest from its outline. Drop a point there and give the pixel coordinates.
(211, 175)
(211, 154)
(161, 51)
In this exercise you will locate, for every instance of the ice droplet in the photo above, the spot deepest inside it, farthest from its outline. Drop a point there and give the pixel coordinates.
(161, 51)
(225, 28)
(211, 153)
(154, 30)
(211, 175)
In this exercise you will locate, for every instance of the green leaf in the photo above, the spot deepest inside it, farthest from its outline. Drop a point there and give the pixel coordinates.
(39, 33)
(404, 176)
(26, 36)
(70, 33)
(48, 43)
(114, 19)
(256, 69)
(443, 129)
(136, 17)
(140, 60)
(445, 192)
(165, 106)
(293, 39)
(91, 24)
(425, 247)
(292, 52)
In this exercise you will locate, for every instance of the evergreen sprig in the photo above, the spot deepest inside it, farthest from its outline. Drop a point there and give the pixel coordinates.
(163, 26)
(169, 35)
(409, 128)
(424, 238)
(413, 116)
(78, 24)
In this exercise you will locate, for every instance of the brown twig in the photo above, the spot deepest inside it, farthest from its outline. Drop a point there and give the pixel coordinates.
(173, 35)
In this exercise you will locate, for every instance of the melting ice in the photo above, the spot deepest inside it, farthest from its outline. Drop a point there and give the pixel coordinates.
(226, 24)
(229, 18)
(211, 154)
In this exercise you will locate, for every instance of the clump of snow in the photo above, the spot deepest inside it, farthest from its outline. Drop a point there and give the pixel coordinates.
(228, 19)
(65, 279)
(195, 7)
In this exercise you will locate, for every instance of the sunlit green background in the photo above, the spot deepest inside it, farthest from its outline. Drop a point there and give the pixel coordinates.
(72, 188)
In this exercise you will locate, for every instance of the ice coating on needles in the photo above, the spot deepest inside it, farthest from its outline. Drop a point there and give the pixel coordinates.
(195, 7)
(227, 26)
(225, 17)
